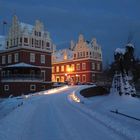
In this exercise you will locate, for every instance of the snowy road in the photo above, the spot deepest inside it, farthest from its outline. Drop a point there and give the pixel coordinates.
(53, 117)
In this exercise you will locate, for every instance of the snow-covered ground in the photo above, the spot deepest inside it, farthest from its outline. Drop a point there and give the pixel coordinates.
(62, 114)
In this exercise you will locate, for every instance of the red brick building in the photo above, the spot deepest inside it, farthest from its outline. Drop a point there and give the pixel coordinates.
(82, 62)
(25, 61)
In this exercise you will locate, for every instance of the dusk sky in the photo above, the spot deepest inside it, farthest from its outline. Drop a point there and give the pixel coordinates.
(110, 21)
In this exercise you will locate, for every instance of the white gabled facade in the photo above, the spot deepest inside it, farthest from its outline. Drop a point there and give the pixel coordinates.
(82, 62)
(28, 36)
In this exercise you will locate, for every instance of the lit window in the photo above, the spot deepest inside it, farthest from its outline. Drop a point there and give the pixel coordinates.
(93, 66)
(6, 87)
(83, 66)
(72, 67)
(16, 57)
(62, 79)
(57, 68)
(68, 68)
(32, 57)
(3, 59)
(9, 58)
(62, 68)
(77, 66)
(43, 59)
(52, 69)
(32, 87)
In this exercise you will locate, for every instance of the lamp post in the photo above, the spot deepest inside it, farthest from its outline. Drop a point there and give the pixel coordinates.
(68, 76)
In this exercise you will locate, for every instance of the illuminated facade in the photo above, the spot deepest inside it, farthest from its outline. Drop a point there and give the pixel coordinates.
(25, 63)
(82, 62)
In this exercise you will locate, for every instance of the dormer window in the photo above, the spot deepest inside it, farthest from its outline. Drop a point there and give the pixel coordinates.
(7, 43)
(21, 40)
(25, 40)
(35, 33)
(39, 33)
(48, 44)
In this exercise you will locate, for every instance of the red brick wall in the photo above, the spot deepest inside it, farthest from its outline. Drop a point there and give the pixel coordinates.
(19, 88)
(88, 71)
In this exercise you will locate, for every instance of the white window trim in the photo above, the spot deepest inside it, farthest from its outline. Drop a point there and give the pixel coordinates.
(57, 68)
(3, 59)
(9, 58)
(6, 87)
(93, 66)
(16, 57)
(52, 69)
(83, 66)
(32, 57)
(42, 59)
(62, 68)
(72, 67)
(43, 73)
(32, 87)
(83, 78)
(77, 66)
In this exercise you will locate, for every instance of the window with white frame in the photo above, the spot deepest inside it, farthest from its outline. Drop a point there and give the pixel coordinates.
(77, 66)
(77, 78)
(32, 87)
(52, 69)
(16, 57)
(83, 66)
(83, 78)
(3, 59)
(62, 68)
(98, 66)
(32, 57)
(93, 66)
(57, 68)
(72, 67)
(43, 59)
(67, 68)
(6, 87)
(9, 58)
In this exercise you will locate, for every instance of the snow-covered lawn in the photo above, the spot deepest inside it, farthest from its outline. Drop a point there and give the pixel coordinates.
(100, 107)
(63, 114)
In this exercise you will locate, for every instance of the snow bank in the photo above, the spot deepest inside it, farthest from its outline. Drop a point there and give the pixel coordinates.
(99, 108)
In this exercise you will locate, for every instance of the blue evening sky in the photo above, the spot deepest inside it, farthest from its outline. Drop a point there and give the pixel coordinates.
(110, 21)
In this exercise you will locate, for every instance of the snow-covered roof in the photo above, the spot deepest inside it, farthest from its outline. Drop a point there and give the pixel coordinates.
(26, 26)
(120, 51)
(2, 42)
(60, 54)
(21, 65)
(130, 45)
